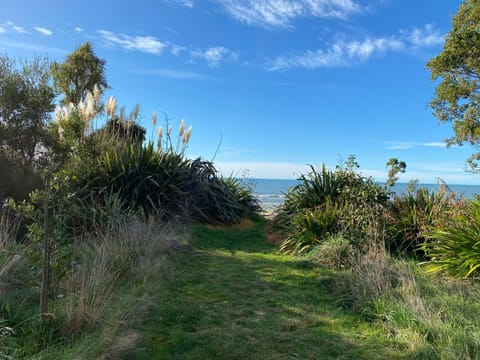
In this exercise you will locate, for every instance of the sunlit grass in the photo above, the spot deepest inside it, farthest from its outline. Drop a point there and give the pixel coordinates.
(235, 297)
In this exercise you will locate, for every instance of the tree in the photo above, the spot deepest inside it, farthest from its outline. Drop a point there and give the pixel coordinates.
(80, 72)
(457, 95)
(396, 167)
(26, 101)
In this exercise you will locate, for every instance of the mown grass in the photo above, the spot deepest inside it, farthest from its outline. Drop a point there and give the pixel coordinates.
(233, 296)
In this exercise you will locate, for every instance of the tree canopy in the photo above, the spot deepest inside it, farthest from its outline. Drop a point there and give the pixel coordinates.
(79, 74)
(457, 67)
(26, 101)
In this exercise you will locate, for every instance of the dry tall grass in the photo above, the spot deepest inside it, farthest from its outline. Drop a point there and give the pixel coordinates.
(133, 251)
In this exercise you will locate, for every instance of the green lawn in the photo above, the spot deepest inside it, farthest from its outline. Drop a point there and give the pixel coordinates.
(233, 296)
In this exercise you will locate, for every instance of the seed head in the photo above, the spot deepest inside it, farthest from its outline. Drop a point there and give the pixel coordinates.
(186, 137)
(61, 131)
(90, 108)
(154, 118)
(182, 127)
(96, 93)
(58, 114)
(111, 106)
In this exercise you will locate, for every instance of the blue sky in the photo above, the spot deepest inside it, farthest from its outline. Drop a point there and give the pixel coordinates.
(275, 84)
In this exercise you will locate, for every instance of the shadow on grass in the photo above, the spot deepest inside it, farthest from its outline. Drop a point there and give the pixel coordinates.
(234, 297)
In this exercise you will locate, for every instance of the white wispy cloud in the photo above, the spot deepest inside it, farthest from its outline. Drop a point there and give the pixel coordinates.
(215, 55)
(176, 49)
(341, 53)
(147, 44)
(3, 30)
(43, 31)
(281, 13)
(184, 3)
(425, 37)
(425, 173)
(345, 53)
(9, 26)
(78, 29)
(263, 170)
(31, 47)
(173, 74)
(406, 145)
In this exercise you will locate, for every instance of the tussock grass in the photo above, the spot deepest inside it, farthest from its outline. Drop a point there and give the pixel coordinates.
(105, 296)
(134, 250)
(434, 317)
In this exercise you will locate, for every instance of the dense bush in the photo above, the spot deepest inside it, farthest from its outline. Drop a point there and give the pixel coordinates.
(167, 184)
(413, 214)
(327, 203)
(454, 247)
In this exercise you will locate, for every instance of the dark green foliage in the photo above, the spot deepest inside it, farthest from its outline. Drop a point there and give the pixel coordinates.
(80, 72)
(26, 100)
(458, 69)
(243, 193)
(414, 213)
(455, 244)
(125, 130)
(17, 180)
(331, 202)
(167, 184)
(395, 168)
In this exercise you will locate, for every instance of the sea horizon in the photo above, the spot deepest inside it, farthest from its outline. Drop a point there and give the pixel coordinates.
(271, 192)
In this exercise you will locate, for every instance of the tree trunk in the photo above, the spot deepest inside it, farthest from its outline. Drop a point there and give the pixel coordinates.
(46, 262)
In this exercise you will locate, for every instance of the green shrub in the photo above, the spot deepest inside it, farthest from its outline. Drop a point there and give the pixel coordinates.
(327, 203)
(243, 193)
(335, 252)
(309, 228)
(167, 184)
(455, 244)
(412, 214)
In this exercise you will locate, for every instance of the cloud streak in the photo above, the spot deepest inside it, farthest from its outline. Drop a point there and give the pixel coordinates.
(151, 45)
(407, 145)
(31, 47)
(214, 55)
(43, 31)
(344, 53)
(185, 3)
(281, 13)
(146, 44)
(173, 74)
(10, 27)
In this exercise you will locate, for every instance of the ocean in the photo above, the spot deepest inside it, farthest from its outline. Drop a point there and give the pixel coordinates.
(271, 192)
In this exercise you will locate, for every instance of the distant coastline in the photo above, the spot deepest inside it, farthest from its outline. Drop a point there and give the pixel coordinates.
(271, 192)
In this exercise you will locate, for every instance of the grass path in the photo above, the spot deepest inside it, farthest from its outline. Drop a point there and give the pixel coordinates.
(232, 296)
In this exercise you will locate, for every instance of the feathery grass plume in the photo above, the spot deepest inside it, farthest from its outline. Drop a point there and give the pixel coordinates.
(90, 107)
(96, 93)
(182, 127)
(111, 106)
(61, 131)
(135, 113)
(169, 130)
(58, 114)
(160, 135)
(154, 118)
(81, 109)
(186, 136)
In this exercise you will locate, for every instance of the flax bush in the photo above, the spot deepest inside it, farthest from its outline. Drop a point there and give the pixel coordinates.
(326, 203)
(454, 247)
(414, 213)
